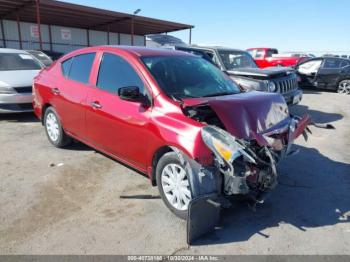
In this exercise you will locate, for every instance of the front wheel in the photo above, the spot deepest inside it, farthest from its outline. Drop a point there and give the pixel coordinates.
(173, 184)
(54, 130)
(344, 87)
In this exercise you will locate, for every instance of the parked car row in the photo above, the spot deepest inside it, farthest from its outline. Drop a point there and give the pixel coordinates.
(241, 67)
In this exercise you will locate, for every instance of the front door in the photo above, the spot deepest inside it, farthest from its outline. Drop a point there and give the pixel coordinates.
(117, 126)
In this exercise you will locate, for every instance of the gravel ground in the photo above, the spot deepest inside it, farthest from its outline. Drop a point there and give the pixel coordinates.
(75, 200)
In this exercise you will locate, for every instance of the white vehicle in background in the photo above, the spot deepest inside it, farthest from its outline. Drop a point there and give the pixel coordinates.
(41, 56)
(17, 70)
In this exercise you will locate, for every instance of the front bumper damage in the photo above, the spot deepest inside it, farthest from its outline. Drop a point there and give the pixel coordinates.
(210, 189)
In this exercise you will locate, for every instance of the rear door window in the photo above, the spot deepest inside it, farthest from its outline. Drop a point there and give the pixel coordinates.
(66, 66)
(332, 63)
(344, 63)
(80, 67)
(115, 72)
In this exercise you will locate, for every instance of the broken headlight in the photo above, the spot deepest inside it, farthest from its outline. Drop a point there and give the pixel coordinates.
(223, 145)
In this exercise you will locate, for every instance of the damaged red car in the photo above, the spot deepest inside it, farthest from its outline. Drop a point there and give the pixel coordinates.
(171, 115)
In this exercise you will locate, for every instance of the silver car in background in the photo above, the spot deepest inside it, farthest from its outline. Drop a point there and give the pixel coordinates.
(17, 70)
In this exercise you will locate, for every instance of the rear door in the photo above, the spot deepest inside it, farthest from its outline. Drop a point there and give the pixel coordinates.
(329, 72)
(71, 92)
(117, 126)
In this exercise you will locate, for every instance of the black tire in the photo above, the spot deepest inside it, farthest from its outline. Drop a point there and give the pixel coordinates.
(340, 88)
(169, 158)
(63, 139)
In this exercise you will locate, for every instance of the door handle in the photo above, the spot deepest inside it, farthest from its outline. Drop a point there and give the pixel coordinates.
(96, 105)
(55, 91)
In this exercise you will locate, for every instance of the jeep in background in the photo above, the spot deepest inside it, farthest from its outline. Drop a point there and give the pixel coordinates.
(267, 57)
(240, 66)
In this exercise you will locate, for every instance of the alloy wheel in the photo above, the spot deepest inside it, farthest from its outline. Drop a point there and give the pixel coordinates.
(344, 88)
(52, 127)
(176, 186)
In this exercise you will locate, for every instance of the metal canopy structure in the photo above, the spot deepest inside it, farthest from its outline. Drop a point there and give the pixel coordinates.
(72, 15)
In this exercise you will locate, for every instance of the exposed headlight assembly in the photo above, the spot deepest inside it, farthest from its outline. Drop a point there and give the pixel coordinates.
(224, 146)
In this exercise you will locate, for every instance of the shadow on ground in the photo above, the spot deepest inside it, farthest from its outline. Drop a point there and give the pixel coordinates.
(314, 191)
(19, 117)
(316, 115)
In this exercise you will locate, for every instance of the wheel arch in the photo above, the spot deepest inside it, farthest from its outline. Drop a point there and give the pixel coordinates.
(44, 108)
(157, 156)
(155, 159)
(342, 79)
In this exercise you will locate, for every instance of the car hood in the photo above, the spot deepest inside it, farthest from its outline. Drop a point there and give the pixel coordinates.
(247, 115)
(17, 78)
(261, 73)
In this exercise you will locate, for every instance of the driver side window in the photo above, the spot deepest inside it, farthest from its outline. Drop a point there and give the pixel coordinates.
(115, 72)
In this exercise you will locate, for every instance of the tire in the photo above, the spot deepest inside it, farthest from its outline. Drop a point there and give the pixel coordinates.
(344, 87)
(54, 130)
(181, 195)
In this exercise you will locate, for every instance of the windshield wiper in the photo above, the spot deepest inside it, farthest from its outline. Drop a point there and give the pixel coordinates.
(220, 94)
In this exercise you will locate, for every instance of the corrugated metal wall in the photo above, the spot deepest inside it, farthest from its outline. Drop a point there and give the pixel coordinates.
(76, 38)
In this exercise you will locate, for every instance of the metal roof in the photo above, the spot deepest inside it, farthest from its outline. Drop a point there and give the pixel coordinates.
(73, 15)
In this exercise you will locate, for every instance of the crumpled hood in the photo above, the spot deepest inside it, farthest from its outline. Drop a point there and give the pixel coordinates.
(262, 73)
(248, 115)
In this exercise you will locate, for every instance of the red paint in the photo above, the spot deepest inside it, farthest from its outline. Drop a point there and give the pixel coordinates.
(131, 132)
(277, 60)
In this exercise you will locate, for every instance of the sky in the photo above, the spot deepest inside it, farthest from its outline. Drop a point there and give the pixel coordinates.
(315, 26)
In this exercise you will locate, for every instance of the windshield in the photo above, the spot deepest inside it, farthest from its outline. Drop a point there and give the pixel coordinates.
(9, 61)
(236, 59)
(189, 76)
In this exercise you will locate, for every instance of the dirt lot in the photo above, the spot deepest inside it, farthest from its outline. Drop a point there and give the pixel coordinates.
(68, 201)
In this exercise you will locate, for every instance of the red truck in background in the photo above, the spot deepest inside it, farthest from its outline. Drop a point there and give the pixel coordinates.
(268, 57)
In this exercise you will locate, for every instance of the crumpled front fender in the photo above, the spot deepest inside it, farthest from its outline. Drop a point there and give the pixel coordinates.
(301, 125)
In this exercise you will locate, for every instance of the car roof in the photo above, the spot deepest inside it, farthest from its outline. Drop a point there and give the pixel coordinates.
(137, 51)
(219, 48)
(144, 51)
(12, 51)
(322, 58)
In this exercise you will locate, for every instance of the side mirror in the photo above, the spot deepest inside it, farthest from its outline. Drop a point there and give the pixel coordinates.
(133, 94)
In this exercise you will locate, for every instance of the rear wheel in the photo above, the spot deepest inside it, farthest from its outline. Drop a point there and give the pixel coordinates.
(344, 87)
(54, 130)
(173, 184)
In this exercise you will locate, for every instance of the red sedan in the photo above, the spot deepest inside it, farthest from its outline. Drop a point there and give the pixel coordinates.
(171, 115)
